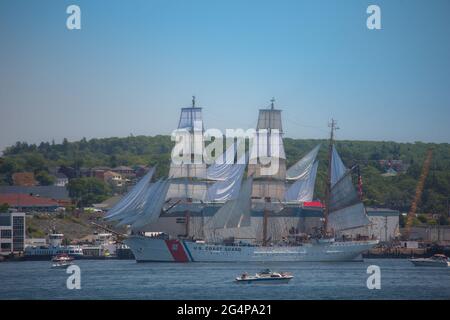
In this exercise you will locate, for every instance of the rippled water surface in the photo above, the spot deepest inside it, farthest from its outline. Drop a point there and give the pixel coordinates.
(126, 279)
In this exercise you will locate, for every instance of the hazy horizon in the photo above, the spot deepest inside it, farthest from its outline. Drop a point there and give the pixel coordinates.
(133, 65)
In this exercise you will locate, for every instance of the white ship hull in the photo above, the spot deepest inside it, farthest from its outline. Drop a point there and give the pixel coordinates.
(146, 249)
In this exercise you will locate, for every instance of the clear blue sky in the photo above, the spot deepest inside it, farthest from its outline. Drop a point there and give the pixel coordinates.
(135, 63)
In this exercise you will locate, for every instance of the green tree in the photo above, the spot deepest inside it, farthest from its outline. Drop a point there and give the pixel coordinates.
(87, 191)
(4, 207)
(443, 220)
(44, 178)
(422, 218)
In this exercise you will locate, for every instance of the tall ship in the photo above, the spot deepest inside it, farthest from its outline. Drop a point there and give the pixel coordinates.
(245, 205)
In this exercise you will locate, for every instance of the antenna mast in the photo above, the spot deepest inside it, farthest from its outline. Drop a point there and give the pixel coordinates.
(334, 127)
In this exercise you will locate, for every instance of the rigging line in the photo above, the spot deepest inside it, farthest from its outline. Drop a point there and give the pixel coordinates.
(218, 117)
(306, 125)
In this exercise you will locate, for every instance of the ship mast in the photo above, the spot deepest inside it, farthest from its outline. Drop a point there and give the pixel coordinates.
(333, 126)
(267, 199)
(187, 213)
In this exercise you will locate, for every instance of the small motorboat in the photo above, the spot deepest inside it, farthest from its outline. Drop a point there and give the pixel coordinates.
(61, 265)
(437, 260)
(265, 276)
(62, 258)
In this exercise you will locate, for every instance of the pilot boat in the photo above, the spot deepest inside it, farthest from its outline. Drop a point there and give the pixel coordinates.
(437, 260)
(265, 276)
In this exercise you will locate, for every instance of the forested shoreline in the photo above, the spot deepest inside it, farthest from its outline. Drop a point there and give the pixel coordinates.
(373, 157)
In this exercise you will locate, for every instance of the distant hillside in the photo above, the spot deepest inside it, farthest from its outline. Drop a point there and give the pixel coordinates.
(390, 191)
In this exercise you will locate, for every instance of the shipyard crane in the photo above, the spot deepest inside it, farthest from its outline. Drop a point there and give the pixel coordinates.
(418, 194)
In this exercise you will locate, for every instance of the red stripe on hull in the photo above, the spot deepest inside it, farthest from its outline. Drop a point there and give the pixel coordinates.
(177, 250)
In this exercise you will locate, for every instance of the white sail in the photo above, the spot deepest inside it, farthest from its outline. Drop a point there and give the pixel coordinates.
(274, 189)
(191, 170)
(184, 188)
(187, 155)
(266, 145)
(303, 189)
(270, 118)
(152, 209)
(343, 193)
(132, 199)
(191, 118)
(348, 218)
(337, 167)
(228, 189)
(346, 210)
(223, 167)
(267, 158)
(303, 166)
(148, 197)
(234, 213)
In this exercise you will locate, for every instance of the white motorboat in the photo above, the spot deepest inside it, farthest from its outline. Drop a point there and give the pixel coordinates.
(62, 258)
(61, 264)
(265, 276)
(438, 260)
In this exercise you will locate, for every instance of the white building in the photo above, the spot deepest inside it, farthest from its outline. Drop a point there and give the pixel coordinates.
(384, 223)
(12, 232)
(61, 180)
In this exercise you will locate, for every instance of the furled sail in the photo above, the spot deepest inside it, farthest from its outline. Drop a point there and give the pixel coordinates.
(346, 211)
(131, 200)
(303, 189)
(303, 166)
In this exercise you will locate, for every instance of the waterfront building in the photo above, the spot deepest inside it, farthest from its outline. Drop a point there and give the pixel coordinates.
(59, 194)
(29, 203)
(12, 232)
(384, 223)
(431, 234)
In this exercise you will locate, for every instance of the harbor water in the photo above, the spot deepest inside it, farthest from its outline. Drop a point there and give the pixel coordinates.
(126, 279)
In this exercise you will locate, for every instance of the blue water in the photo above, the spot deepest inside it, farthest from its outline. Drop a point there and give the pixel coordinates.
(126, 279)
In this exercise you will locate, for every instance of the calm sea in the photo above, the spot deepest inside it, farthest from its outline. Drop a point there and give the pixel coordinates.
(126, 279)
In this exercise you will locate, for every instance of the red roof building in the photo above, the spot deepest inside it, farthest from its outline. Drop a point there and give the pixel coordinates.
(28, 202)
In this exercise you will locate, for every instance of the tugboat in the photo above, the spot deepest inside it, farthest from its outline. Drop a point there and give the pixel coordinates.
(265, 276)
(437, 260)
